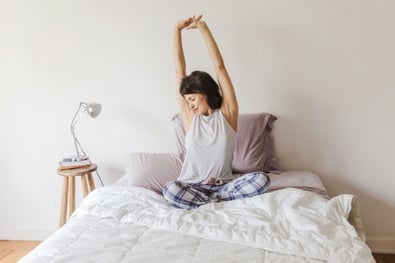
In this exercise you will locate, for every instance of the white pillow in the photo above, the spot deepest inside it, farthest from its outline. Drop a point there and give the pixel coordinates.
(152, 170)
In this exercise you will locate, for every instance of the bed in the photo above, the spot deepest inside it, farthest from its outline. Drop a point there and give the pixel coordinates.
(129, 221)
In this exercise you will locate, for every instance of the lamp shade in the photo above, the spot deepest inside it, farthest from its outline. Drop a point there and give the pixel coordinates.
(93, 109)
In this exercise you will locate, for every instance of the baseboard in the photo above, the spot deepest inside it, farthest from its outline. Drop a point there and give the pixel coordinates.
(381, 244)
(25, 234)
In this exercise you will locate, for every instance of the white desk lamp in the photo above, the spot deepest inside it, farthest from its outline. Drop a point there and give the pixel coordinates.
(92, 109)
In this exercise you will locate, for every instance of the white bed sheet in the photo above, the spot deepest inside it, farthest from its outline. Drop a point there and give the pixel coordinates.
(130, 224)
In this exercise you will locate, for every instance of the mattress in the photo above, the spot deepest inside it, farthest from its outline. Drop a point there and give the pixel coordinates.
(295, 222)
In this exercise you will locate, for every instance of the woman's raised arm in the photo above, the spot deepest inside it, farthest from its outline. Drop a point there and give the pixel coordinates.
(229, 105)
(180, 65)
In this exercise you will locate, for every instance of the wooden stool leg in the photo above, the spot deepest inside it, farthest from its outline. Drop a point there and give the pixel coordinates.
(71, 195)
(84, 186)
(91, 182)
(63, 207)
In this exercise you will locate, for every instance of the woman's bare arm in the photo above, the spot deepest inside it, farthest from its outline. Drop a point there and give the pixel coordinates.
(229, 105)
(180, 66)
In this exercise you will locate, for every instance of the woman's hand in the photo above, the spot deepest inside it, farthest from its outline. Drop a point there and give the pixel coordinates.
(188, 23)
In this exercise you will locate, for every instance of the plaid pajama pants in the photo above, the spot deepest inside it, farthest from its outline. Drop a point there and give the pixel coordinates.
(189, 196)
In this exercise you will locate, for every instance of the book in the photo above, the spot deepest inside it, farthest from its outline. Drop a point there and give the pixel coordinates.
(71, 164)
(75, 158)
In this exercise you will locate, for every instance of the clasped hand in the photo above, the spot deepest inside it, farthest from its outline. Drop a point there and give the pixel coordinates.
(189, 23)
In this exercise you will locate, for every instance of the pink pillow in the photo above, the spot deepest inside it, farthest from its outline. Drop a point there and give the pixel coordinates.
(254, 144)
(152, 170)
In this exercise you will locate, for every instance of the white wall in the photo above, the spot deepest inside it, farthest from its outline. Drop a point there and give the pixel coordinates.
(325, 68)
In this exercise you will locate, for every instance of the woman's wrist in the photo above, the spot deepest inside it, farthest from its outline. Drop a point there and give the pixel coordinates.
(201, 25)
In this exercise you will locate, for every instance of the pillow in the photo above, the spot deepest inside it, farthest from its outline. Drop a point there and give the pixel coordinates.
(303, 180)
(254, 150)
(152, 170)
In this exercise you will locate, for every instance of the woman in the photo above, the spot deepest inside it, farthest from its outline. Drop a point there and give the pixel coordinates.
(210, 113)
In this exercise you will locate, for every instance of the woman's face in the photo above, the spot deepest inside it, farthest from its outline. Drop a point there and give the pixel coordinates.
(197, 103)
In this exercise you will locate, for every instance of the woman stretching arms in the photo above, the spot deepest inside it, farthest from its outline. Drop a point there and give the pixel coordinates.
(210, 113)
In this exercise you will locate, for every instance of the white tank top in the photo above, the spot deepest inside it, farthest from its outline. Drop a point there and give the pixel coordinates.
(209, 144)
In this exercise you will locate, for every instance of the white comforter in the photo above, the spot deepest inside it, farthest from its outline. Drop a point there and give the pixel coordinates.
(131, 224)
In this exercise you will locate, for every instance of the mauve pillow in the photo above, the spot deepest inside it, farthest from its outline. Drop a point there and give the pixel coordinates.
(152, 170)
(254, 149)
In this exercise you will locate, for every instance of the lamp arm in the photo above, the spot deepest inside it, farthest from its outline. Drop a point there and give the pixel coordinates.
(75, 142)
(77, 116)
(78, 147)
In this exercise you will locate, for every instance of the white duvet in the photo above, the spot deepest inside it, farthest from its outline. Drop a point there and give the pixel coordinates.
(131, 224)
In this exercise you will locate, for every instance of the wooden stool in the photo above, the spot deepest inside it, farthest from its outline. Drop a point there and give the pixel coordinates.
(68, 193)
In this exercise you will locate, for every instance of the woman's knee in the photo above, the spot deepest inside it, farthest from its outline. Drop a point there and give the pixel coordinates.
(263, 180)
(263, 177)
(258, 178)
(170, 189)
(176, 194)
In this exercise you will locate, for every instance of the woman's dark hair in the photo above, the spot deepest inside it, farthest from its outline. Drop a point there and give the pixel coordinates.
(201, 82)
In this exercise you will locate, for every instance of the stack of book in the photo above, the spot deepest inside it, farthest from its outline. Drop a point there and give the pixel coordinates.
(71, 162)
